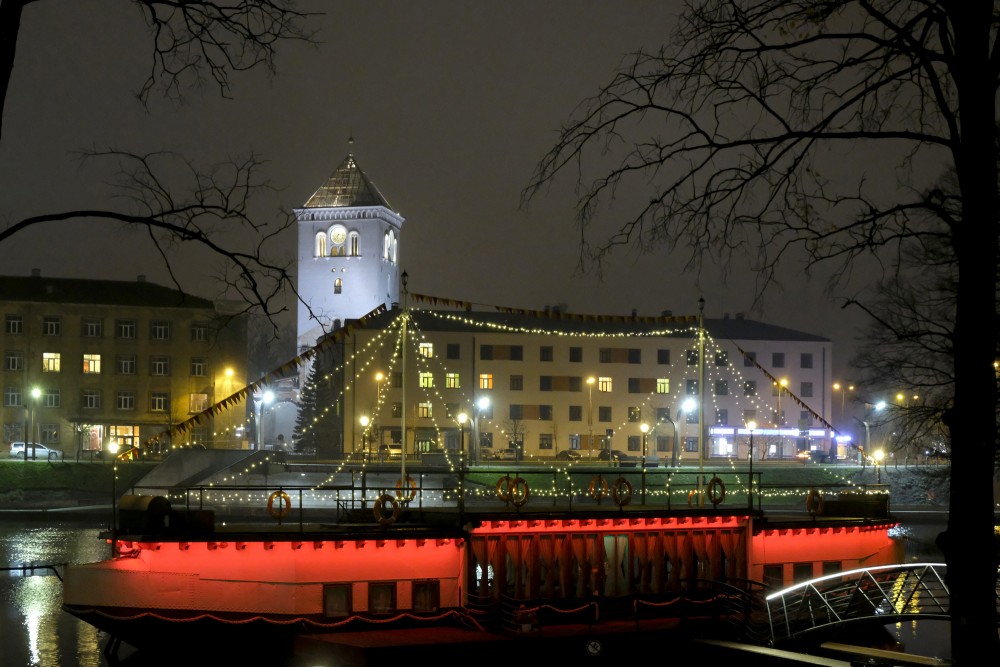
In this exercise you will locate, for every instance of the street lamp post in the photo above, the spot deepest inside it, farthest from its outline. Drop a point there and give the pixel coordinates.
(462, 418)
(31, 440)
(365, 421)
(590, 415)
(779, 419)
(878, 456)
(265, 399)
(751, 426)
(644, 427)
(482, 404)
(673, 455)
(113, 449)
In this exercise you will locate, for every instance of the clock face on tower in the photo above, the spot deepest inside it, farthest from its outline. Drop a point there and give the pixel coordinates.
(338, 235)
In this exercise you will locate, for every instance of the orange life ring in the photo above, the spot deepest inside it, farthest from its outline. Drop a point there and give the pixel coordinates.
(716, 491)
(513, 490)
(286, 504)
(814, 502)
(621, 491)
(408, 483)
(519, 492)
(503, 488)
(598, 487)
(383, 501)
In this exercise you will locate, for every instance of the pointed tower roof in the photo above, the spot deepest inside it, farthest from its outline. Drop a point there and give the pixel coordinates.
(348, 186)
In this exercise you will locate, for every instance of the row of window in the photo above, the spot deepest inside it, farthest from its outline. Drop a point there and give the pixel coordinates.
(605, 413)
(93, 327)
(604, 384)
(609, 355)
(93, 399)
(92, 364)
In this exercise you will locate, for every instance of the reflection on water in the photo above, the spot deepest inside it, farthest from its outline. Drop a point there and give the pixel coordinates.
(37, 633)
(36, 630)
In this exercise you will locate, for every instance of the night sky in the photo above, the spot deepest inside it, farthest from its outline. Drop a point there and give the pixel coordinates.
(450, 105)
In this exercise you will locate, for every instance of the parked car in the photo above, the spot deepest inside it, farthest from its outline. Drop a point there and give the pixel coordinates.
(41, 452)
(621, 458)
(507, 454)
(568, 455)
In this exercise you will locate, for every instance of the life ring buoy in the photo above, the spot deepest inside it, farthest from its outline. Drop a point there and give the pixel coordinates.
(503, 488)
(381, 503)
(814, 502)
(598, 487)
(519, 492)
(411, 489)
(286, 505)
(513, 490)
(621, 491)
(716, 491)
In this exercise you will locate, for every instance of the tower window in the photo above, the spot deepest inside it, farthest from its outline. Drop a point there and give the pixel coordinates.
(338, 286)
(353, 244)
(320, 248)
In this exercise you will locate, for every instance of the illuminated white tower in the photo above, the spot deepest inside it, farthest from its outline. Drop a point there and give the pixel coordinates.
(348, 256)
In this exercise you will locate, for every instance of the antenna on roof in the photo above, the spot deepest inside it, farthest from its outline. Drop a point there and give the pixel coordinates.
(350, 144)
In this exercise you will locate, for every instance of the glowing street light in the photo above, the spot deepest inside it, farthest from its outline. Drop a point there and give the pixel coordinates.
(644, 427)
(365, 420)
(879, 455)
(483, 404)
(462, 418)
(113, 449)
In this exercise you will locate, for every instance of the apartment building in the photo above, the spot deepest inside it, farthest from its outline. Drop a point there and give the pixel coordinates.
(543, 382)
(86, 362)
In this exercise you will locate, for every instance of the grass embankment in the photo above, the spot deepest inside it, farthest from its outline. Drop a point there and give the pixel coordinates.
(39, 483)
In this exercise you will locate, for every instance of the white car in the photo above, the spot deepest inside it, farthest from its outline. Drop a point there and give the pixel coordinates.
(41, 452)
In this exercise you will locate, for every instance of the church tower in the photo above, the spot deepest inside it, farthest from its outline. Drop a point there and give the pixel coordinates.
(348, 255)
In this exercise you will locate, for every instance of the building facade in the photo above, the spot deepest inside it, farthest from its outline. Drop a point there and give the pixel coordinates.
(91, 361)
(545, 382)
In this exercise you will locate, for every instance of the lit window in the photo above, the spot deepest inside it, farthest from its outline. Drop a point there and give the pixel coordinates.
(198, 403)
(485, 380)
(452, 380)
(354, 244)
(604, 384)
(662, 385)
(91, 363)
(426, 350)
(426, 379)
(50, 362)
(424, 410)
(320, 247)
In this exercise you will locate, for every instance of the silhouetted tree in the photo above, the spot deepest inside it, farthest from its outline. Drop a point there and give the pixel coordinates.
(780, 130)
(190, 42)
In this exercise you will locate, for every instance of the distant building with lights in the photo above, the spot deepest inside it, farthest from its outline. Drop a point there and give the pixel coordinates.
(534, 370)
(117, 360)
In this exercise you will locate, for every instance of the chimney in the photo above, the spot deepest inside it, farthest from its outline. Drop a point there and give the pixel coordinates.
(739, 316)
(36, 273)
(634, 312)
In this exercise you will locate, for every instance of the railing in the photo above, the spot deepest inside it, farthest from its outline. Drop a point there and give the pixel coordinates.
(884, 594)
(349, 495)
